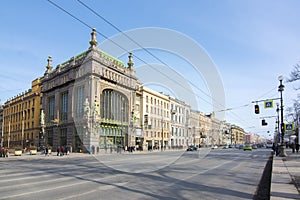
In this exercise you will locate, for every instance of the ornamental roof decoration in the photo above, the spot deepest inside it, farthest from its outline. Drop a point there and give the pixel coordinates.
(97, 54)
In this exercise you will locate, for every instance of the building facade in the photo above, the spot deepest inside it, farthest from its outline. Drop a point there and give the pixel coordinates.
(89, 101)
(1, 124)
(93, 102)
(21, 118)
(238, 135)
(181, 132)
(156, 118)
(196, 127)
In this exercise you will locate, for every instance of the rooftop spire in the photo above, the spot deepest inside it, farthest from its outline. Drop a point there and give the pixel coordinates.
(49, 65)
(130, 61)
(93, 41)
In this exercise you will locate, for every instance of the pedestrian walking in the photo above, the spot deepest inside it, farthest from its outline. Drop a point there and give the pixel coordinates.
(297, 147)
(293, 147)
(61, 151)
(46, 151)
(67, 150)
(6, 153)
(57, 151)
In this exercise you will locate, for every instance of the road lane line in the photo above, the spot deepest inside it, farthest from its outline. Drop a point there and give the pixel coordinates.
(58, 187)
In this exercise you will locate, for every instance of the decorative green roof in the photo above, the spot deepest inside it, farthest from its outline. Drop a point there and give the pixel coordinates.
(111, 57)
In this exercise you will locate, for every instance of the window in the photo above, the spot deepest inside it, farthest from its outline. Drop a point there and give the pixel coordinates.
(51, 107)
(64, 106)
(114, 106)
(79, 103)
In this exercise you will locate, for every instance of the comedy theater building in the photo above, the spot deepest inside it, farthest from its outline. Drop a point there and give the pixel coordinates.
(89, 101)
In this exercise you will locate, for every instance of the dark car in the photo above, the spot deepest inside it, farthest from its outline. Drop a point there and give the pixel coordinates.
(192, 148)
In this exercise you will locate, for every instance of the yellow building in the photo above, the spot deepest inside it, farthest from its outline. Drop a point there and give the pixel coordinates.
(238, 135)
(21, 118)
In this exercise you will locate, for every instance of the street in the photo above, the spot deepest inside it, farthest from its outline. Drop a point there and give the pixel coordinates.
(203, 174)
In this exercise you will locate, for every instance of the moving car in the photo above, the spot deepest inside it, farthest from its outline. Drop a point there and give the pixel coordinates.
(192, 148)
(247, 147)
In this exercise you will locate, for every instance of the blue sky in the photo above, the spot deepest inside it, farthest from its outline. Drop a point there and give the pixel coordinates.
(250, 42)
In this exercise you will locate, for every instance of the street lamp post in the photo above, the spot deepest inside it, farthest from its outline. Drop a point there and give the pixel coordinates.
(277, 123)
(280, 89)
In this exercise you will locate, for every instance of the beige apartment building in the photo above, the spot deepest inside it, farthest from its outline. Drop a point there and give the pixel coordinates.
(181, 132)
(156, 119)
(196, 130)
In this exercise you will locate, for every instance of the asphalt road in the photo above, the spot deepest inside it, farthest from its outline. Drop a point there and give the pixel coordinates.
(205, 174)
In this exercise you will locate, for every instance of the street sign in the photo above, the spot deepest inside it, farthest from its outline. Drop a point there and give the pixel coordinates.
(268, 104)
(289, 127)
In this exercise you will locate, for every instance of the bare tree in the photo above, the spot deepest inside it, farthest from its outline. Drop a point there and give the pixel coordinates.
(295, 74)
(294, 112)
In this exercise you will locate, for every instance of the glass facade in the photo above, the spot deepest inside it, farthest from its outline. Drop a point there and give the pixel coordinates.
(115, 118)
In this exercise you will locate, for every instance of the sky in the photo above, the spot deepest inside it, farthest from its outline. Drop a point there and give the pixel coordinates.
(250, 43)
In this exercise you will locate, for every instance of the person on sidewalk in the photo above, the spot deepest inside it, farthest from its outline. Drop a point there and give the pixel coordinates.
(297, 147)
(293, 147)
(46, 152)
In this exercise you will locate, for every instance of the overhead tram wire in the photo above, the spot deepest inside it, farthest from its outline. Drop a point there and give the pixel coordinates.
(161, 61)
(81, 21)
(146, 50)
(90, 27)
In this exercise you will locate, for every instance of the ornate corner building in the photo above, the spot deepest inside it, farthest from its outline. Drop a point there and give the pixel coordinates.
(89, 101)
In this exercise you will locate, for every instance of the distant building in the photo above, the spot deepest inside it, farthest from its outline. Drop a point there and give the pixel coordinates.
(181, 132)
(1, 123)
(238, 135)
(195, 125)
(21, 118)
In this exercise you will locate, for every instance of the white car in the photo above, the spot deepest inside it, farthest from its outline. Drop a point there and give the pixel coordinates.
(215, 147)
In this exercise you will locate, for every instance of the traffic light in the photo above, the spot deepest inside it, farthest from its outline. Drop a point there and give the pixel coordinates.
(282, 127)
(256, 109)
(264, 123)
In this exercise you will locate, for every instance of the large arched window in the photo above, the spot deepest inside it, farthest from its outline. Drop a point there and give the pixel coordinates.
(114, 106)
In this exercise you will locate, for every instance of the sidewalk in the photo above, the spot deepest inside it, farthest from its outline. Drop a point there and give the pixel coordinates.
(286, 177)
(53, 155)
(27, 156)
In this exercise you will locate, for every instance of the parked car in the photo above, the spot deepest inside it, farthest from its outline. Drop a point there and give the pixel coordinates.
(247, 147)
(254, 146)
(192, 148)
(214, 147)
